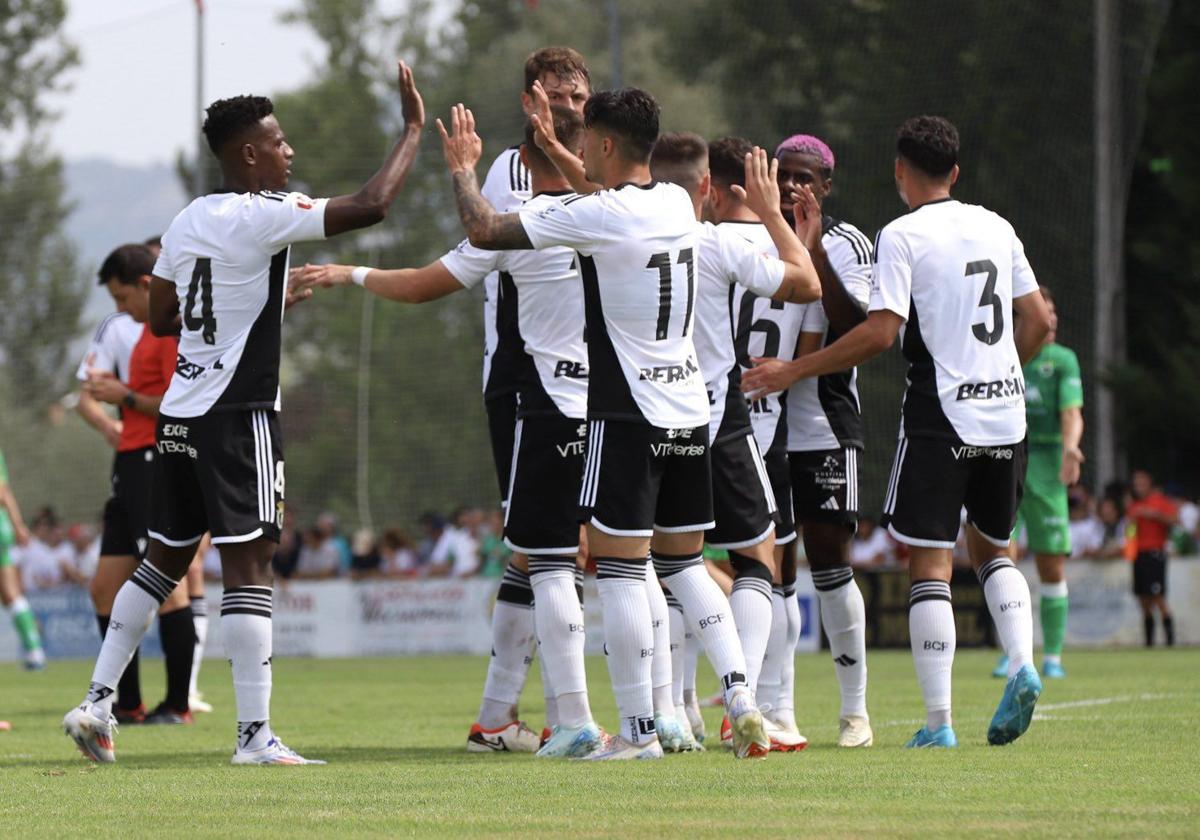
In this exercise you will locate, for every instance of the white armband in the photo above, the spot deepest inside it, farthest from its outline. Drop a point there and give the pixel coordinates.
(359, 275)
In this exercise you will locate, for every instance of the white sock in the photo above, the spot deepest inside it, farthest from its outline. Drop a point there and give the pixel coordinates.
(706, 609)
(1009, 602)
(785, 708)
(750, 603)
(513, 640)
(844, 618)
(133, 609)
(660, 669)
(558, 619)
(933, 636)
(200, 621)
(678, 648)
(246, 631)
(691, 658)
(628, 643)
(767, 693)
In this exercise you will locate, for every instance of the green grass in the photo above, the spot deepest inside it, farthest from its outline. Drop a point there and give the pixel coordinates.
(1113, 752)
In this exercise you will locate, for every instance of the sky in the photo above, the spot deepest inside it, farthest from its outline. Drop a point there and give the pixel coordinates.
(133, 95)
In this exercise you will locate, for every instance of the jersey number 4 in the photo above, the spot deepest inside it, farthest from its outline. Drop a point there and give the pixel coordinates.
(988, 298)
(663, 263)
(202, 282)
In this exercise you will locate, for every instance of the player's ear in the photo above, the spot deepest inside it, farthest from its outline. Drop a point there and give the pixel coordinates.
(954, 175)
(706, 186)
(526, 103)
(826, 187)
(524, 155)
(247, 154)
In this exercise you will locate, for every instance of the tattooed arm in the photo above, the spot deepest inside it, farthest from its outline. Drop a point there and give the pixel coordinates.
(484, 226)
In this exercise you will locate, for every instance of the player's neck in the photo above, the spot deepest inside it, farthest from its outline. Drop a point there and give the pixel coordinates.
(738, 212)
(239, 182)
(919, 194)
(548, 184)
(627, 173)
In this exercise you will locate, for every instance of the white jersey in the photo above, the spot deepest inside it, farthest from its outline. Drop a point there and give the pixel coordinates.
(764, 328)
(726, 259)
(544, 288)
(112, 345)
(951, 270)
(506, 187)
(227, 254)
(824, 413)
(637, 249)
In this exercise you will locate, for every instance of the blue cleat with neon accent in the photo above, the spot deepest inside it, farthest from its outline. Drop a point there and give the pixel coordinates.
(1000, 672)
(1012, 716)
(943, 736)
(572, 742)
(1053, 671)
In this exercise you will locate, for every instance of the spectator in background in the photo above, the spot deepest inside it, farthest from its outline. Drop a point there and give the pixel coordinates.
(331, 532)
(398, 556)
(871, 547)
(287, 552)
(14, 533)
(365, 559)
(212, 561)
(1112, 530)
(1153, 515)
(493, 551)
(48, 560)
(319, 556)
(455, 552)
(85, 540)
(1086, 529)
(1183, 535)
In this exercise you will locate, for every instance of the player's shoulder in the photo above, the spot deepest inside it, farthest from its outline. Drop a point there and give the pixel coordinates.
(838, 234)
(112, 324)
(1060, 353)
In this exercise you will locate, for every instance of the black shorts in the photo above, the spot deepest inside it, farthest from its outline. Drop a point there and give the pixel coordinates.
(825, 486)
(543, 497)
(781, 485)
(220, 472)
(638, 479)
(1150, 573)
(502, 423)
(934, 479)
(743, 501)
(127, 510)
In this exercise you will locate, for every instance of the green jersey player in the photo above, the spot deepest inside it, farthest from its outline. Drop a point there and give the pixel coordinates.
(1053, 409)
(13, 530)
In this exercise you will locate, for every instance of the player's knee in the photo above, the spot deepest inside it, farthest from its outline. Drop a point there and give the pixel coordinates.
(827, 544)
(745, 566)
(515, 586)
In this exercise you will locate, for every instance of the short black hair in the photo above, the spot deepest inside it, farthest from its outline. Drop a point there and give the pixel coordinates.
(126, 264)
(568, 125)
(631, 114)
(680, 158)
(727, 160)
(929, 143)
(229, 119)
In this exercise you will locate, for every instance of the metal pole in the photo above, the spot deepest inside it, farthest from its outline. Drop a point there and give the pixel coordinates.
(1109, 343)
(614, 40)
(364, 404)
(198, 186)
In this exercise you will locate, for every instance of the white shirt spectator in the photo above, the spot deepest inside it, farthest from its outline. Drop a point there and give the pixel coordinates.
(87, 560)
(457, 549)
(1189, 516)
(1087, 536)
(398, 563)
(877, 549)
(43, 566)
(319, 560)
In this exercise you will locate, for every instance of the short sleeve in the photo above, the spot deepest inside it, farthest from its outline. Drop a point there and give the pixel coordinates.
(761, 273)
(1070, 383)
(850, 255)
(891, 285)
(279, 219)
(469, 265)
(574, 222)
(101, 353)
(814, 319)
(1023, 280)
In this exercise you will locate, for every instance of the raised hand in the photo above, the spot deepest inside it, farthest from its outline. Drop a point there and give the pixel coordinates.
(462, 146)
(807, 213)
(761, 193)
(412, 107)
(542, 119)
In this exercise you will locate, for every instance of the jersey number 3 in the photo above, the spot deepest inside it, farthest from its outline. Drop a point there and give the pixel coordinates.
(988, 298)
(202, 282)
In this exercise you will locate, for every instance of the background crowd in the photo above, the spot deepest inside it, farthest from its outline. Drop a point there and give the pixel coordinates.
(468, 543)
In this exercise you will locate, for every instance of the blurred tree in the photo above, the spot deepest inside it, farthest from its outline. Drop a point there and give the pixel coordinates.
(42, 292)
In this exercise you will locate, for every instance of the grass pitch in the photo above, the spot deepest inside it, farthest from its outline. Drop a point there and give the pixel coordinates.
(1112, 752)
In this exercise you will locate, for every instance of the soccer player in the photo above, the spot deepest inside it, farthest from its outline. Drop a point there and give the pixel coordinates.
(825, 436)
(220, 462)
(13, 531)
(950, 277)
(743, 500)
(560, 77)
(1053, 411)
(1152, 514)
(647, 482)
(136, 387)
(540, 520)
